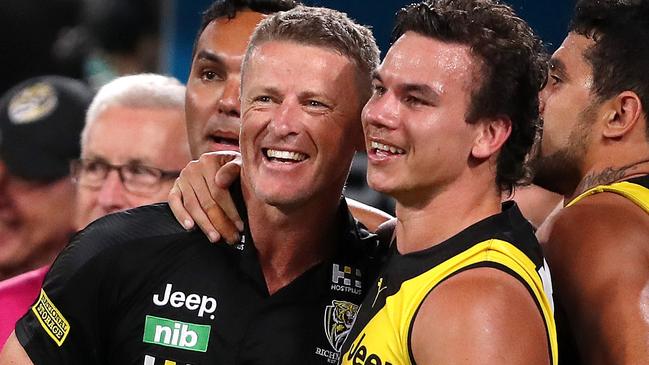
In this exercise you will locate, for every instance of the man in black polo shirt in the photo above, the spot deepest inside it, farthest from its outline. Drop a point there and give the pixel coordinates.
(137, 288)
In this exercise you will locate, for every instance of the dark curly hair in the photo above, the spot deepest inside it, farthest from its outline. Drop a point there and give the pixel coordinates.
(513, 67)
(229, 8)
(620, 56)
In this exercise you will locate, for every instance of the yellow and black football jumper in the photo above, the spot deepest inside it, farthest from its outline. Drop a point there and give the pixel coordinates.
(505, 241)
(636, 190)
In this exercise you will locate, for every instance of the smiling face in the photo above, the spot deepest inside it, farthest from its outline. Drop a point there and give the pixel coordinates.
(415, 124)
(212, 98)
(568, 109)
(300, 123)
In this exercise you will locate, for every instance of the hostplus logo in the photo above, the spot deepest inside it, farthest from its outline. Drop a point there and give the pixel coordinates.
(346, 280)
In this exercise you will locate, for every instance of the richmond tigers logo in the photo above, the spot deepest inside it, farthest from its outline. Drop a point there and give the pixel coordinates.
(338, 320)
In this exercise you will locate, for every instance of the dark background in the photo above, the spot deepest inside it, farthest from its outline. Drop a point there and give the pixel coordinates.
(39, 37)
(548, 17)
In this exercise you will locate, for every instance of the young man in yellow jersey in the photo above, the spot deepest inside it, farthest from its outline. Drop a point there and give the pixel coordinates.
(447, 129)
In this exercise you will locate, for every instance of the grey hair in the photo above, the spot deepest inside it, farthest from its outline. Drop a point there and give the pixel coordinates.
(322, 27)
(145, 90)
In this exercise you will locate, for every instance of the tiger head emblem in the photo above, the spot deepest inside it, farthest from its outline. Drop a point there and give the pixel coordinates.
(338, 320)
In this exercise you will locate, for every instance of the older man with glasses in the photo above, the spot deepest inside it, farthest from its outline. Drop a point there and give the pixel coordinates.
(136, 178)
(132, 147)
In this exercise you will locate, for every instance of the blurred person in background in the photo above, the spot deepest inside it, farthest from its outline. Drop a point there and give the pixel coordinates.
(121, 37)
(40, 123)
(95, 40)
(29, 30)
(133, 145)
(535, 203)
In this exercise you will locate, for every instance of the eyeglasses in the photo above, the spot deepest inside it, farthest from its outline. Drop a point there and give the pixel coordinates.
(136, 178)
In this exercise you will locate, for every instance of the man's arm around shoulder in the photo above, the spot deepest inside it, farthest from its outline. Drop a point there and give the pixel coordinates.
(480, 316)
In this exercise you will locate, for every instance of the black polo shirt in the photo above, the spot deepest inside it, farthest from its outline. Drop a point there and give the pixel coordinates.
(136, 288)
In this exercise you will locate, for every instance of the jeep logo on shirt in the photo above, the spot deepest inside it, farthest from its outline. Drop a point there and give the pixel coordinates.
(177, 299)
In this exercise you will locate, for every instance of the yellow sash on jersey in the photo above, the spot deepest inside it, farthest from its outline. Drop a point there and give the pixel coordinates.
(634, 192)
(384, 340)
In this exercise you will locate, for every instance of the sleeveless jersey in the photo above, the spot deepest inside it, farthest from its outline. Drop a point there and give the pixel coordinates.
(636, 190)
(505, 241)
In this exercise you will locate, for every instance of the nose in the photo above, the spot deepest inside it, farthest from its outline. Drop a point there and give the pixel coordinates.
(284, 119)
(381, 112)
(229, 102)
(112, 194)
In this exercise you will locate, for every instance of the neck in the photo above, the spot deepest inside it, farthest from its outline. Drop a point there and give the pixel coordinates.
(608, 175)
(291, 240)
(444, 214)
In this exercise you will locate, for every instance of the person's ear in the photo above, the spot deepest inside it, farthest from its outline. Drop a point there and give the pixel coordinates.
(491, 135)
(621, 115)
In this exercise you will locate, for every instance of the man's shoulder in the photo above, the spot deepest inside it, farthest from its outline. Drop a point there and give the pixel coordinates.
(599, 220)
(131, 233)
(137, 223)
(611, 229)
(484, 307)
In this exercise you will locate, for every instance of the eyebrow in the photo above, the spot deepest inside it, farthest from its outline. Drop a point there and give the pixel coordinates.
(420, 88)
(266, 90)
(131, 161)
(209, 56)
(423, 89)
(557, 65)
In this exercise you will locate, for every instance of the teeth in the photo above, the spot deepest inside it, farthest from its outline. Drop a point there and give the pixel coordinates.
(386, 148)
(285, 155)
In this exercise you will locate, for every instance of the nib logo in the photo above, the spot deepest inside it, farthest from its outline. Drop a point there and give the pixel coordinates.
(182, 335)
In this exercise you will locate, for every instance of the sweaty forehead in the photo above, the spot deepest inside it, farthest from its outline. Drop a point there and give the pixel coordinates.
(230, 36)
(287, 59)
(415, 58)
